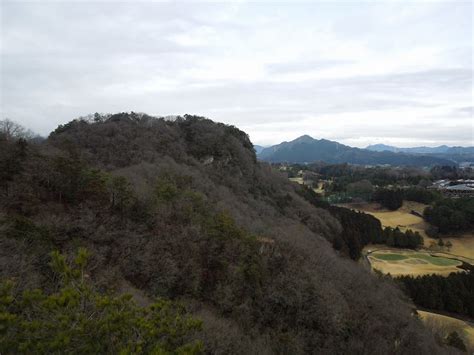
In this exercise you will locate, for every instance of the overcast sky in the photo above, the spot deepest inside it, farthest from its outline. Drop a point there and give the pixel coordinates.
(356, 72)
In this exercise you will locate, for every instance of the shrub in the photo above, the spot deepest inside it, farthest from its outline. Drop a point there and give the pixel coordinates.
(455, 340)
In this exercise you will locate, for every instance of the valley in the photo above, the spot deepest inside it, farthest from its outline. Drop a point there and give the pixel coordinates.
(460, 247)
(431, 259)
(437, 256)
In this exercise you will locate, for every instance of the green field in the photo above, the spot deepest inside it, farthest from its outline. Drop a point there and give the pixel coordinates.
(439, 261)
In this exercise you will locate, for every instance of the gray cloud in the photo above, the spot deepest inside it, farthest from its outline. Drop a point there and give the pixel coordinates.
(297, 67)
(337, 71)
(469, 110)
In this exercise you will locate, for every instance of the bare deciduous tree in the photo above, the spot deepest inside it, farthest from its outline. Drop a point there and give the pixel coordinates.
(11, 130)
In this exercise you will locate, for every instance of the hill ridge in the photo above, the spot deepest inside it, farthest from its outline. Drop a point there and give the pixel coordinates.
(309, 150)
(140, 194)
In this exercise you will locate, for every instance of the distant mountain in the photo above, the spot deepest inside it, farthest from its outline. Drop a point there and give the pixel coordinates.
(258, 149)
(458, 154)
(415, 150)
(307, 149)
(442, 149)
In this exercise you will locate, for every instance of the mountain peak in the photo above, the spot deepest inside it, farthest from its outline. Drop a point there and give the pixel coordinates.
(336, 153)
(303, 139)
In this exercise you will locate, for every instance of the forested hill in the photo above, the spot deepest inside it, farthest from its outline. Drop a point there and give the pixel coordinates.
(182, 210)
(306, 149)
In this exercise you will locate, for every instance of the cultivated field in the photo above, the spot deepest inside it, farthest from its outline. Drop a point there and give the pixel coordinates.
(407, 262)
(443, 325)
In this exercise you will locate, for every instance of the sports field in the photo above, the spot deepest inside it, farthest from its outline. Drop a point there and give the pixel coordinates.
(432, 260)
(403, 218)
(406, 262)
(422, 257)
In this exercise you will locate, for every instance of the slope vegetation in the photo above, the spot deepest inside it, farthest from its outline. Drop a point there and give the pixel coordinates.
(182, 210)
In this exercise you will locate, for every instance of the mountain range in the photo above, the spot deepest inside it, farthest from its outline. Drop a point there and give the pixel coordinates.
(306, 149)
(442, 149)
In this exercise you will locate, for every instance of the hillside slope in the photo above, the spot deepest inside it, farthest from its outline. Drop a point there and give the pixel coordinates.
(306, 149)
(181, 209)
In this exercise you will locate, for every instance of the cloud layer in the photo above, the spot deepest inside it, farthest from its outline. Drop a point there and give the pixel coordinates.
(359, 73)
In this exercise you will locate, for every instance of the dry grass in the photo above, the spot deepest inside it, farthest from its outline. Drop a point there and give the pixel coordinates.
(401, 218)
(443, 325)
(299, 180)
(319, 189)
(463, 245)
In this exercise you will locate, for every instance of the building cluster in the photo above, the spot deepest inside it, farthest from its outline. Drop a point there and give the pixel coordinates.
(455, 188)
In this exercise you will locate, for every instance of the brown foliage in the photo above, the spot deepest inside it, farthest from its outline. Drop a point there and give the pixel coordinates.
(154, 212)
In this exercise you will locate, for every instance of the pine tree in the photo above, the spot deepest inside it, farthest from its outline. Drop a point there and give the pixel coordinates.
(77, 319)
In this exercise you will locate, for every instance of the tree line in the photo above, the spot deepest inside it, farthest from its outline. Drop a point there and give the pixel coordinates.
(450, 215)
(454, 293)
(344, 174)
(361, 229)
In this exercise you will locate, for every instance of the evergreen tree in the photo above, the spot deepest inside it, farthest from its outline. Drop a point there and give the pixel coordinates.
(77, 319)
